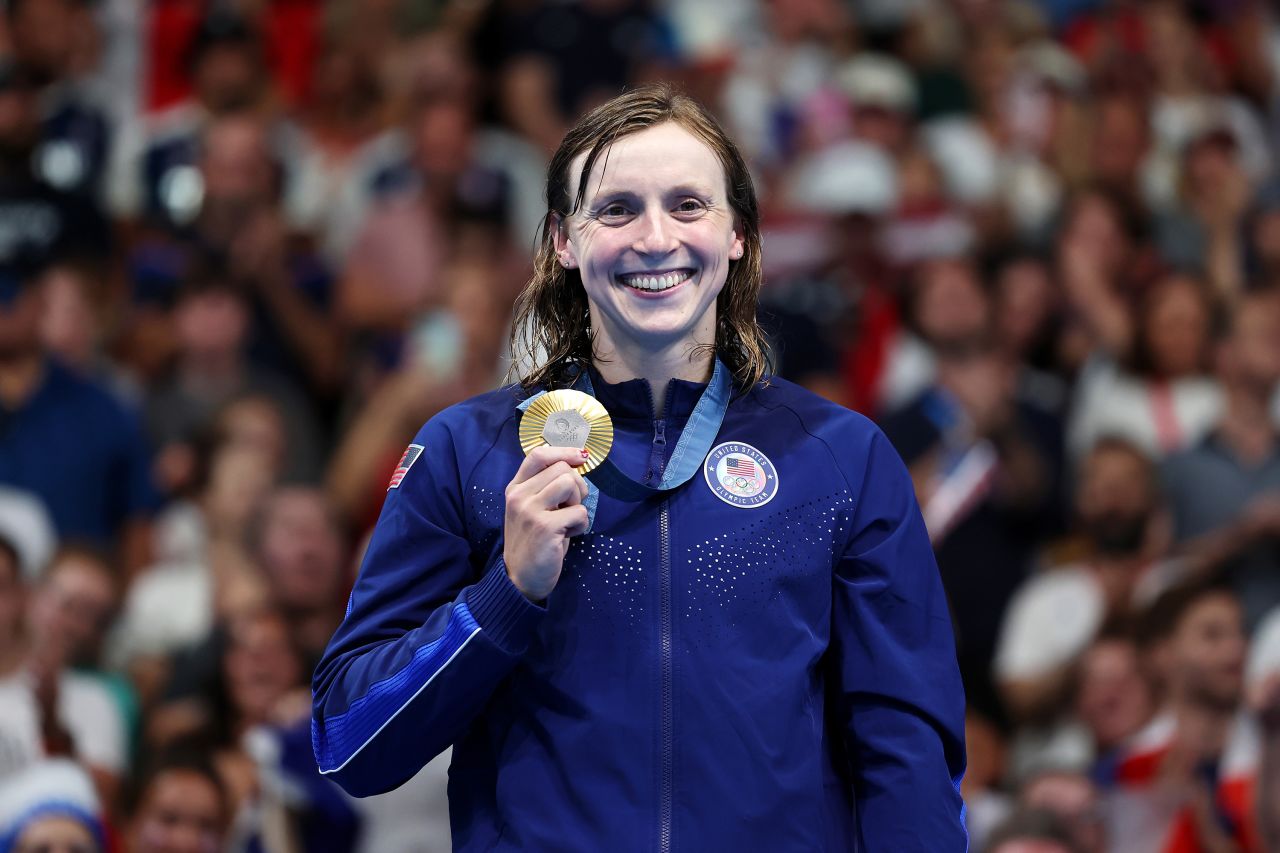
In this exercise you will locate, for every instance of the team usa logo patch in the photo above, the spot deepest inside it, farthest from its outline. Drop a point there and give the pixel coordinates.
(740, 475)
(411, 454)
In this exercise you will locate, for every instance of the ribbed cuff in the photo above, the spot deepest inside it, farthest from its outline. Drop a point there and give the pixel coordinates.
(501, 610)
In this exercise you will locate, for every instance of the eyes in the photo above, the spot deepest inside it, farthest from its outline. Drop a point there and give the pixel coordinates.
(618, 213)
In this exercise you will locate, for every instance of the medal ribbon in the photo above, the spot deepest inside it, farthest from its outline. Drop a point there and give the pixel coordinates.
(691, 449)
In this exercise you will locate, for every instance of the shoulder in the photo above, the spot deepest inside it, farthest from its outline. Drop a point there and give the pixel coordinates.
(818, 415)
(852, 442)
(490, 408)
(471, 428)
(88, 396)
(1190, 462)
(845, 431)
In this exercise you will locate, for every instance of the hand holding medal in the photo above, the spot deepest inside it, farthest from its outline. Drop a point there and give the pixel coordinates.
(564, 434)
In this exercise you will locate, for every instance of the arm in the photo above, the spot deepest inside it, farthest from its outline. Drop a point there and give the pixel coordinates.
(429, 635)
(899, 692)
(1206, 554)
(1100, 311)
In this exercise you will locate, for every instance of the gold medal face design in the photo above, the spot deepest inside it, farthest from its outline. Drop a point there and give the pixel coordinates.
(568, 418)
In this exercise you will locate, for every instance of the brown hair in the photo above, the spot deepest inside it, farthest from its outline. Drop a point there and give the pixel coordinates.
(551, 327)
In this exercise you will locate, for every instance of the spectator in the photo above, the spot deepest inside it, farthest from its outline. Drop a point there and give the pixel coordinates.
(255, 713)
(65, 438)
(51, 806)
(986, 470)
(178, 805)
(211, 321)
(234, 222)
(452, 179)
(1205, 233)
(75, 136)
(1114, 700)
(153, 174)
(205, 576)
(1055, 616)
(75, 327)
(1028, 321)
(947, 306)
(297, 541)
(41, 221)
(1224, 490)
(344, 129)
(453, 352)
(47, 708)
(1165, 401)
(1186, 778)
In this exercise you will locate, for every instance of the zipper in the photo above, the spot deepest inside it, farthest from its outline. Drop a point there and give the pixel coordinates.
(658, 451)
(664, 646)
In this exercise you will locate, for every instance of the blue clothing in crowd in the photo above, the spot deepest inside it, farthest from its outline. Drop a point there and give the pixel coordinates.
(82, 452)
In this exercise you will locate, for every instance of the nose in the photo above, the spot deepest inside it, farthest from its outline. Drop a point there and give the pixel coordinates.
(656, 235)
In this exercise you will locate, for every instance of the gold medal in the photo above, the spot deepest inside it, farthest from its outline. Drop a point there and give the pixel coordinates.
(568, 418)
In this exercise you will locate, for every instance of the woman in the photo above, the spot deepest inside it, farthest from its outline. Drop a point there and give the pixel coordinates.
(1165, 399)
(735, 641)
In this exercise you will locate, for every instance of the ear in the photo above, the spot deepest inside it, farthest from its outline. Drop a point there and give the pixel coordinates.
(560, 238)
(738, 246)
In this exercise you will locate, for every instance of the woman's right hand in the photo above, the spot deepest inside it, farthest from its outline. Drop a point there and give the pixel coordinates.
(544, 511)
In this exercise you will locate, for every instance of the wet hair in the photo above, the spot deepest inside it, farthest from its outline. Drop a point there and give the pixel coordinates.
(552, 326)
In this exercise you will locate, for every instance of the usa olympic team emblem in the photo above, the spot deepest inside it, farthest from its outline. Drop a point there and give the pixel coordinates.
(740, 475)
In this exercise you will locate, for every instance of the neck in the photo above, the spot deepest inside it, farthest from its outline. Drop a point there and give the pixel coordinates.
(658, 369)
(19, 376)
(680, 360)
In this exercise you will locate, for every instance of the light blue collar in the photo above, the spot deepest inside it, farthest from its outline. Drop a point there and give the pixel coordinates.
(692, 448)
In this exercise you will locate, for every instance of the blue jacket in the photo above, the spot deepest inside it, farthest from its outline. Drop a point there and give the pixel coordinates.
(761, 659)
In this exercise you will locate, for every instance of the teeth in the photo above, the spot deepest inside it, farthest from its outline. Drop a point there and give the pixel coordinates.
(655, 282)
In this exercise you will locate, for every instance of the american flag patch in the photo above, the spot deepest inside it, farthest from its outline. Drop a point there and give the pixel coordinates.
(411, 454)
(738, 466)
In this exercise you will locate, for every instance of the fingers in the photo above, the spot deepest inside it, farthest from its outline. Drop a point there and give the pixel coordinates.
(554, 484)
(531, 490)
(568, 489)
(572, 520)
(544, 457)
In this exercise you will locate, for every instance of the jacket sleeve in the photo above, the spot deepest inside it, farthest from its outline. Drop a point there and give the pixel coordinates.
(900, 698)
(428, 634)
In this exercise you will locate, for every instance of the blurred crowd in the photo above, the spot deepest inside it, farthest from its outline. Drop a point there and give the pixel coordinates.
(248, 247)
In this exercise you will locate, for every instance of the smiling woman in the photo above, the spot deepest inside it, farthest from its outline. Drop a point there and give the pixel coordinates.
(647, 193)
(729, 634)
